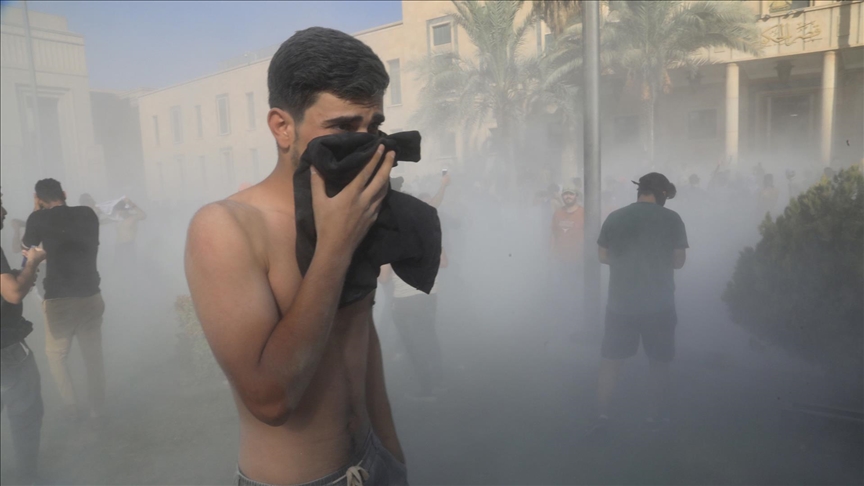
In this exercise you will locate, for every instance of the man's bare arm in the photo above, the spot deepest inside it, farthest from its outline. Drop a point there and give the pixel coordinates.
(14, 287)
(271, 360)
(377, 402)
(603, 255)
(679, 257)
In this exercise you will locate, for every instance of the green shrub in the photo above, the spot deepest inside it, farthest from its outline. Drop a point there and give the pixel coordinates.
(802, 287)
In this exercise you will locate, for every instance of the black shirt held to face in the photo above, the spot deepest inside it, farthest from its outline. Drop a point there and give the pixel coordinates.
(70, 235)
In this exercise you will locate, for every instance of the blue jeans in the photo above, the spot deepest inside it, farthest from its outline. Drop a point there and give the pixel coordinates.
(379, 466)
(21, 391)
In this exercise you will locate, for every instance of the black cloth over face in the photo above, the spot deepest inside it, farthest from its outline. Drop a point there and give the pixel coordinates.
(407, 233)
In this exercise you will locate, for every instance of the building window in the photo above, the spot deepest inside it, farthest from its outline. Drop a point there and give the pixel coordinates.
(199, 120)
(395, 82)
(253, 157)
(250, 109)
(181, 171)
(702, 124)
(177, 124)
(626, 129)
(161, 175)
(156, 129)
(783, 5)
(202, 161)
(442, 35)
(228, 161)
(448, 145)
(224, 113)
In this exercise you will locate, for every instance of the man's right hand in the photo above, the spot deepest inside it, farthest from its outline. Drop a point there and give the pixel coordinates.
(343, 220)
(35, 254)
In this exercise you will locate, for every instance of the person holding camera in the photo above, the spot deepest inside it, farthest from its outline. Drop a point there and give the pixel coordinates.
(73, 303)
(643, 244)
(20, 387)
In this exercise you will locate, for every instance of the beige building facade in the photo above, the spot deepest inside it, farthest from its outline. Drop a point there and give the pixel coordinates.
(66, 149)
(205, 138)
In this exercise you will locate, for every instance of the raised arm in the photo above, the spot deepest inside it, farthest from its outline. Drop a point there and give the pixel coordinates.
(139, 213)
(14, 286)
(436, 201)
(271, 360)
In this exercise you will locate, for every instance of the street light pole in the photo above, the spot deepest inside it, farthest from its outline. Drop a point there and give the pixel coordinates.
(37, 142)
(591, 144)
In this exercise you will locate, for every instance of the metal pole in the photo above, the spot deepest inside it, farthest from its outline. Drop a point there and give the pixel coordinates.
(591, 143)
(36, 123)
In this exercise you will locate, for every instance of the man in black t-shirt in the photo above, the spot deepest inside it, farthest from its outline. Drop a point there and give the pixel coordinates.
(73, 303)
(20, 388)
(643, 244)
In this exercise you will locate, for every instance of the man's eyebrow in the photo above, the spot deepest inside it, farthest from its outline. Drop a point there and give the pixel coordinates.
(339, 120)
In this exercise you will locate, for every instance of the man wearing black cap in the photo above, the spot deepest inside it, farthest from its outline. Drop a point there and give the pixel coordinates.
(643, 244)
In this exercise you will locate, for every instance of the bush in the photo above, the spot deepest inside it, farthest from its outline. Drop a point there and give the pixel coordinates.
(802, 287)
(192, 345)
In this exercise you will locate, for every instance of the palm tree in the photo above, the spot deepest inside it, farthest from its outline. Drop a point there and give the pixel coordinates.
(491, 88)
(558, 14)
(652, 38)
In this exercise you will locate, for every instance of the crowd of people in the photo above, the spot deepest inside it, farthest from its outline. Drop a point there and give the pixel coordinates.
(66, 238)
(306, 370)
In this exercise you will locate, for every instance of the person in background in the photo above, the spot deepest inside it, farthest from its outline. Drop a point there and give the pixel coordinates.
(414, 314)
(768, 195)
(20, 384)
(130, 215)
(567, 242)
(73, 305)
(87, 200)
(643, 244)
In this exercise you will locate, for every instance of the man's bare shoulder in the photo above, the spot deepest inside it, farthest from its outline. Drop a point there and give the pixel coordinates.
(227, 222)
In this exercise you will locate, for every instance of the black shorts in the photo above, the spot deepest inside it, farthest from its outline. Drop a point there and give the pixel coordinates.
(621, 339)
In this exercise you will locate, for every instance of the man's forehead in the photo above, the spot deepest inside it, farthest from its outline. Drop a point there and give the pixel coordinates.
(329, 106)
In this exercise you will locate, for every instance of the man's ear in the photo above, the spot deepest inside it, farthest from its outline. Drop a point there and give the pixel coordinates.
(283, 127)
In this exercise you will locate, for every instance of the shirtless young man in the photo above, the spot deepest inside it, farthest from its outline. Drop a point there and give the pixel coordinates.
(307, 377)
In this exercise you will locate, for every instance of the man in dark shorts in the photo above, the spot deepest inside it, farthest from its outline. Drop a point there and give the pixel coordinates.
(20, 385)
(643, 244)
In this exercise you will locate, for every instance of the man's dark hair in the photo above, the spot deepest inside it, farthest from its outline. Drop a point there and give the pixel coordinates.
(319, 60)
(49, 190)
(658, 185)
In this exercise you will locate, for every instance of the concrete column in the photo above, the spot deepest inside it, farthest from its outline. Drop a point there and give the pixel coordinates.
(732, 81)
(829, 71)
